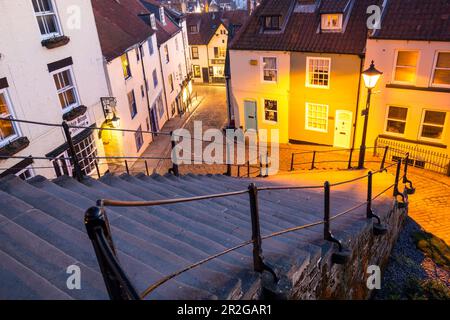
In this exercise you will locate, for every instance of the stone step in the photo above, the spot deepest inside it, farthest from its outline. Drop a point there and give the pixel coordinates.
(22, 283)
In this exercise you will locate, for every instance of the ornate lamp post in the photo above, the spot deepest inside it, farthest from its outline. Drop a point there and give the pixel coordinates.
(371, 77)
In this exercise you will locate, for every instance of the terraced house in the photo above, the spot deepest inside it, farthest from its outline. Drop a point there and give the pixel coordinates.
(51, 70)
(411, 110)
(171, 36)
(208, 37)
(136, 99)
(296, 66)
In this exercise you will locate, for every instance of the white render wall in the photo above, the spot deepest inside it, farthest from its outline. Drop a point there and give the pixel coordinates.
(176, 57)
(23, 60)
(120, 88)
(206, 52)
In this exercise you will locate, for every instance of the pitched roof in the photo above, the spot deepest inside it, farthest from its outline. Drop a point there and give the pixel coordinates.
(163, 32)
(333, 6)
(302, 31)
(207, 24)
(234, 17)
(427, 20)
(118, 28)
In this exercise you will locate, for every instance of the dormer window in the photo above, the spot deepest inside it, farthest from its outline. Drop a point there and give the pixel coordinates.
(162, 16)
(153, 21)
(331, 22)
(271, 23)
(193, 29)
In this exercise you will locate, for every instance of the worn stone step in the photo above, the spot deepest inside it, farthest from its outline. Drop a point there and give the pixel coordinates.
(21, 283)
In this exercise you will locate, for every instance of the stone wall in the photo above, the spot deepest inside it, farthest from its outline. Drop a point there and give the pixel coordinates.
(319, 278)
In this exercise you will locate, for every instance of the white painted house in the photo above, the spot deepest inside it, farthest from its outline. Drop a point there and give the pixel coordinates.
(51, 69)
(134, 77)
(170, 28)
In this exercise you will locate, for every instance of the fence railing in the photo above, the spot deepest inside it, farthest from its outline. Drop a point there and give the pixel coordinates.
(120, 287)
(420, 157)
(311, 159)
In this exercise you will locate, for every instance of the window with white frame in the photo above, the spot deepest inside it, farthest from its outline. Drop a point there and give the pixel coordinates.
(8, 130)
(160, 104)
(270, 71)
(194, 52)
(153, 21)
(441, 73)
(316, 117)
(396, 119)
(47, 18)
(132, 103)
(318, 72)
(66, 89)
(87, 153)
(270, 110)
(166, 53)
(25, 174)
(406, 66)
(162, 16)
(151, 49)
(155, 78)
(139, 138)
(433, 123)
(331, 22)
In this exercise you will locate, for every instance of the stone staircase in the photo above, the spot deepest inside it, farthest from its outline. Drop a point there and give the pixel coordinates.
(42, 234)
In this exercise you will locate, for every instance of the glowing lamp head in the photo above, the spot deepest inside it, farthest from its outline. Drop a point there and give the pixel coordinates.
(371, 76)
(115, 121)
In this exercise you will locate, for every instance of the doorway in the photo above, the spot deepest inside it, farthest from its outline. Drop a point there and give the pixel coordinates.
(205, 73)
(343, 128)
(250, 115)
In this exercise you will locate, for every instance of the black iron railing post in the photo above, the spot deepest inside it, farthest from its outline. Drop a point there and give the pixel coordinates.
(292, 161)
(326, 216)
(77, 172)
(410, 189)
(258, 263)
(174, 170)
(349, 166)
(146, 168)
(397, 177)
(383, 161)
(341, 256)
(369, 213)
(126, 167)
(98, 169)
(98, 229)
(313, 162)
(256, 233)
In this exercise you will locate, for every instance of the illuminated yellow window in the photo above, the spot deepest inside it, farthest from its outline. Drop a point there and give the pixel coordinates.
(125, 66)
(406, 66)
(316, 117)
(332, 22)
(441, 74)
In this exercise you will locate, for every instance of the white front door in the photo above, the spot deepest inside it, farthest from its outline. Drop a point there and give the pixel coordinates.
(343, 128)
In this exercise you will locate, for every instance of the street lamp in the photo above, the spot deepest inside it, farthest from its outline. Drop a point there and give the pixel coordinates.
(371, 77)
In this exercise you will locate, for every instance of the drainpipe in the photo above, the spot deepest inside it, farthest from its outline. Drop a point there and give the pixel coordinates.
(361, 66)
(147, 86)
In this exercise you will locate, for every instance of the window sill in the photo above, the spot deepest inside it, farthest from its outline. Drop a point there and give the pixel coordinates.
(411, 87)
(55, 42)
(14, 147)
(74, 113)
